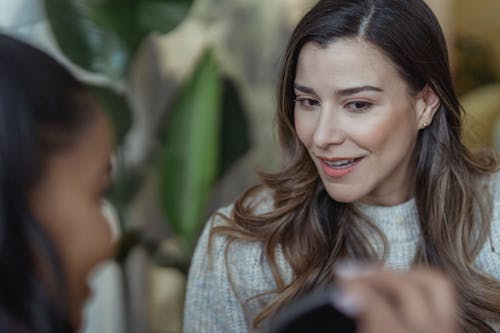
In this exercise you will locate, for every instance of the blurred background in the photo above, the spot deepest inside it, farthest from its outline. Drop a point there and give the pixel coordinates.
(190, 88)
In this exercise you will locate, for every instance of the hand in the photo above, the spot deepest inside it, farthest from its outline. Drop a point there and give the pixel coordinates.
(418, 301)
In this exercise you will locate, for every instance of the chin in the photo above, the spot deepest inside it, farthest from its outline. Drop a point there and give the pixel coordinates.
(343, 196)
(76, 314)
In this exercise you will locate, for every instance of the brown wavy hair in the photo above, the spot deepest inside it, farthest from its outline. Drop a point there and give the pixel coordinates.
(454, 207)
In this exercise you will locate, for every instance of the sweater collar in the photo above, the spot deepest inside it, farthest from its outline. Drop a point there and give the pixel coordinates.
(399, 222)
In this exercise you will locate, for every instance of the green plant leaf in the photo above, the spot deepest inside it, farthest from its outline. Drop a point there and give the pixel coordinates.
(83, 42)
(190, 157)
(234, 138)
(155, 15)
(102, 35)
(133, 20)
(162, 15)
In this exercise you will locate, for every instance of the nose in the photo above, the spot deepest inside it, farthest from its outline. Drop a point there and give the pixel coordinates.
(328, 129)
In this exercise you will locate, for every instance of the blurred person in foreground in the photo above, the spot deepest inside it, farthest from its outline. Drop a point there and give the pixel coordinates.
(374, 171)
(55, 148)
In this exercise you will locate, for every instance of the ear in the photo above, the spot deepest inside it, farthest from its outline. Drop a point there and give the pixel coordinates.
(427, 103)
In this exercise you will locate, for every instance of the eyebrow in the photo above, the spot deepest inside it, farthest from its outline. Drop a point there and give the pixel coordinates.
(342, 92)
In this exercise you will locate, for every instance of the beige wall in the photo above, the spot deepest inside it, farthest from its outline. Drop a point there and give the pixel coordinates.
(480, 18)
(443, 9)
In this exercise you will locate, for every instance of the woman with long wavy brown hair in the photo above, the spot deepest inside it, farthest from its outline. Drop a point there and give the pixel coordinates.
(374, 171)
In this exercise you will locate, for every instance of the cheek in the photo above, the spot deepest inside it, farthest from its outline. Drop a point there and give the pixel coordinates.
(87, 243)
(394, 130)
(304, 127)
(92, 240)
(79, 230)
(82, 237)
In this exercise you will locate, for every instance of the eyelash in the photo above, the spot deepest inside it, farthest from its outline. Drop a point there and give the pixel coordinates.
(303, 100)
(366, 106)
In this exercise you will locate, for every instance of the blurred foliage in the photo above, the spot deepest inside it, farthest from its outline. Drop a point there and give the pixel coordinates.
(103, 35)
(191, 151)
(205, 130)
(473, 64)
(234, 134)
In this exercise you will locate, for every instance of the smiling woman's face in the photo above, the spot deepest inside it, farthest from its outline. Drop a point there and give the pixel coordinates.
(67, 203)
(358, 120)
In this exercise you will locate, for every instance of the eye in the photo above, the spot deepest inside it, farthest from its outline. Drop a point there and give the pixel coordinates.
(107, 190)
(307, 102)
(358, 106)
(107, 184)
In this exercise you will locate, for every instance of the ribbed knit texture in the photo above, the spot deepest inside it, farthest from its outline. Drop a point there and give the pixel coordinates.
(217, 300)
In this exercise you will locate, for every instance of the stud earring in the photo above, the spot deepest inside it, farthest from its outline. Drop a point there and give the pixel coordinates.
(425, 125)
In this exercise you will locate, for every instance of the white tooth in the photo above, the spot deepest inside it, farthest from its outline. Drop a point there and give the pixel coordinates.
(341, 162)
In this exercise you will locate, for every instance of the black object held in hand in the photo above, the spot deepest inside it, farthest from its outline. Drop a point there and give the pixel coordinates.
(316, 312)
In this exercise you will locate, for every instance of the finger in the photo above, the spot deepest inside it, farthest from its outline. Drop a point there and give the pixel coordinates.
(376, 314)
(405, 297)
(424, 299)
(441, 296)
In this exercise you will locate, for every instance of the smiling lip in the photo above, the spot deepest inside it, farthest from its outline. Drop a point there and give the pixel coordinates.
(339, 167)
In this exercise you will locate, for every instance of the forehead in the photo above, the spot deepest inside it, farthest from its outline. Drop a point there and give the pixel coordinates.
(88, 155)
(97, 137)
(345, 63)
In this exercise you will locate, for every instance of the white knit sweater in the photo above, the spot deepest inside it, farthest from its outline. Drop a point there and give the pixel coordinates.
(217, 300)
